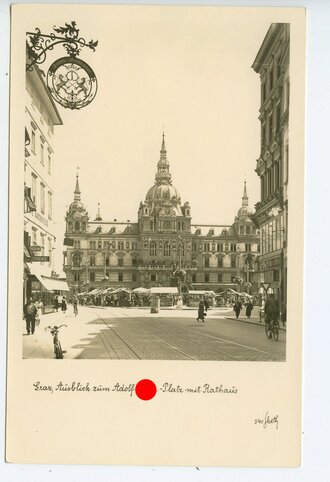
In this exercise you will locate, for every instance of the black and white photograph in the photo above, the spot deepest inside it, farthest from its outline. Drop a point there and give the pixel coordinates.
(161, 232)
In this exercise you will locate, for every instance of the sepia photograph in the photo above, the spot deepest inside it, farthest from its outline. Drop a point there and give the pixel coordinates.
(158, 234)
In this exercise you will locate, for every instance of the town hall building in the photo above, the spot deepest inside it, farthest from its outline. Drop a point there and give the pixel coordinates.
(164, 239)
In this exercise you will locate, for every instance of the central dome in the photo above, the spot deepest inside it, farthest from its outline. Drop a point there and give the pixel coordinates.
(163, 198)
(162, 192)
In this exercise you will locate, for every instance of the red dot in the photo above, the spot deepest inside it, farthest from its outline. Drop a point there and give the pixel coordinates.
(145, 389)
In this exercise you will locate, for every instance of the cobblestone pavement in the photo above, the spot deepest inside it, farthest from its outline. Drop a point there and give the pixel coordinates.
(124, 333)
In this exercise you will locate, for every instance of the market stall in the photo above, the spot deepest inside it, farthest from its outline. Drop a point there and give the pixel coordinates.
(168, 295)
(192, 298)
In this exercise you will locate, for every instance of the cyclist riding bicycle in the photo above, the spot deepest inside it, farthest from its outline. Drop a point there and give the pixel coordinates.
(272, 309)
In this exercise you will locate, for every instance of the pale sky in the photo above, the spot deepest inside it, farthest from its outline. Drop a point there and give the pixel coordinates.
(187, 70)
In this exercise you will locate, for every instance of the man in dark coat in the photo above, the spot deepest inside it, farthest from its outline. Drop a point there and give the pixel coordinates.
(237, 308)
(30, 313)
(272, 309)
(201, 312)
(249, 308)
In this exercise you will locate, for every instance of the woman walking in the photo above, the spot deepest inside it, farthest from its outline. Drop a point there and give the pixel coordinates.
(201, 312)
(64, 305)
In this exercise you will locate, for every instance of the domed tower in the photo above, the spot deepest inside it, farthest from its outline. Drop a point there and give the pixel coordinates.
(243, 222)
(76, 216)
(162, 210)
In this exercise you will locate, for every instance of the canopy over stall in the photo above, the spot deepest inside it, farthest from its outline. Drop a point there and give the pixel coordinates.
(164, 290)
(141, 290)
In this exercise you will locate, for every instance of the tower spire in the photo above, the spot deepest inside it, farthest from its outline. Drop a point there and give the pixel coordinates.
(163, 151)
(245, 199)
(77, 190)
(163, 175)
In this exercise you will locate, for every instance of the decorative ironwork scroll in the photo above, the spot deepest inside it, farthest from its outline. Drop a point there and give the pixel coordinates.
(71, 81)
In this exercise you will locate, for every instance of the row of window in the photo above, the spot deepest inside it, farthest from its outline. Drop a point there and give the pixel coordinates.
(153, 277)
(166, 250)
(42, 151)
(270, 79)
(271, 126)
(272, 236)
(107, 245)
(38, 195)
(271, 180)
(92, 278)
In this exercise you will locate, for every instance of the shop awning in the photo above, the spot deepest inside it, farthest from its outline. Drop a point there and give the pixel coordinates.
(95, 291)
(161, 290)
(199, 292)
(141, 290)
(50, 284)
(55, 284)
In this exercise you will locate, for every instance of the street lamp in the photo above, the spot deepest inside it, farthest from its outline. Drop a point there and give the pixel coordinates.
(180, 273)
(238, 280)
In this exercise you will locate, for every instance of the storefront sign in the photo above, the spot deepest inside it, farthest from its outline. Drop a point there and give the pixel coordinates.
(34, 249)
(40, 259)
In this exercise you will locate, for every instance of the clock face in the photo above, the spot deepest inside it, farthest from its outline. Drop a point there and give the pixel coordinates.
(167, 224)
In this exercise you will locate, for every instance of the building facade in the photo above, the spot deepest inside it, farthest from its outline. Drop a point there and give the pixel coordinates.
(41, 115)
(271, 216)
(164, 239)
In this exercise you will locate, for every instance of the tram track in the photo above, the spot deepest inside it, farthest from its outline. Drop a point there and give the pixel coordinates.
(162, 330)
(149, 334)
(208, 335)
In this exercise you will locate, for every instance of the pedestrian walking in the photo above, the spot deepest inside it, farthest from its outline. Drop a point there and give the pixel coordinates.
(249, 308)
(237, 308)
(201, 311)
(56, 303)
(30, 314)
(206, 303)
(64, 305)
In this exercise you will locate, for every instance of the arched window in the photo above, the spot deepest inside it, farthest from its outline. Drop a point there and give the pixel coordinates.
(77, 226)
(76, 258)
(153, 248)
(77, 277)
(167, 249)
(92, 260)
(83, 226)
(70, 226)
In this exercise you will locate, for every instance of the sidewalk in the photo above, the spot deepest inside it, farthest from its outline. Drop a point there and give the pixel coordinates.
(40, 344)
(254, 320)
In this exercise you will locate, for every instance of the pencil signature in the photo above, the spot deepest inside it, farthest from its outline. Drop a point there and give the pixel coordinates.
(267, 420)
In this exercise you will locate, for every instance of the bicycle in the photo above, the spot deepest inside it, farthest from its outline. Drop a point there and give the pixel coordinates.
(272, 329)
(54, 330)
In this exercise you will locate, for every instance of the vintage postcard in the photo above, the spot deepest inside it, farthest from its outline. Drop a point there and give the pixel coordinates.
(155, 235)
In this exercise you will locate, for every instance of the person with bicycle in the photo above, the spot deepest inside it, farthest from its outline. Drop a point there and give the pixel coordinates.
(272, 310)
